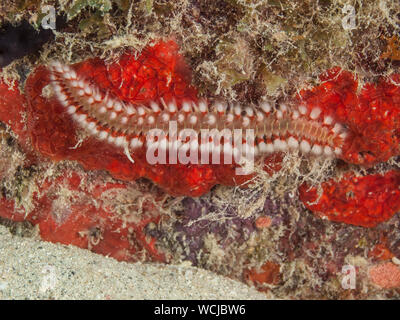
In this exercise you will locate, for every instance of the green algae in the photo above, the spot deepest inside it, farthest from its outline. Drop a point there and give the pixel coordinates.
(101, 6)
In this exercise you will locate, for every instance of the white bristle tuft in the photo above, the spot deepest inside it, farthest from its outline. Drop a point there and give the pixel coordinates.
(141, 111)
(82, 117)
(172, 107)
(59, 69)
(181, 118)
(67, 76)
(72, 74)
(203, 106)
(260, 116)
(337, 128)
(245, 122)
(130, 110)
(117, 106)
(211, 119)
(328, 120)
(71, 109)
(293, 143)
(102, 109)
(165, 117)
(263, 147)
(134, 143)
(111, 139)
(315, 113)
(186, 107)
(283, 107)
(66, 68)
(109, 103)
(87, 89)
(338, 151)
(237, 110)
(328, 151)
(280, 145)
(57, 89)
(316, 149)
(120, 141)
(155, 107)
(220, 107)
(270, 148)
(103, 135)
(91, 125)
(249, 112)
(57, 66)
(94, 131)
(266, 107)
(303, 110)
(193, 119)
(305, 146)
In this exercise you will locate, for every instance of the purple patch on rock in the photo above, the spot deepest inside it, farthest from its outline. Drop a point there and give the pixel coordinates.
(193, 226)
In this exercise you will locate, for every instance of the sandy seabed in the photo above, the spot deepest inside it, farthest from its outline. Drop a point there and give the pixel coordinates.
(33, 269)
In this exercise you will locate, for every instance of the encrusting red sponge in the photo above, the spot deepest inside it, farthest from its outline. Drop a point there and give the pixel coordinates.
(361, 201)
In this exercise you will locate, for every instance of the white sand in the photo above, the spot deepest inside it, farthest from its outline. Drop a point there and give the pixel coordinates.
(33, 269)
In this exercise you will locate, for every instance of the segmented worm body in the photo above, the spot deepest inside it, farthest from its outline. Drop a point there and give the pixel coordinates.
(125, 125)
